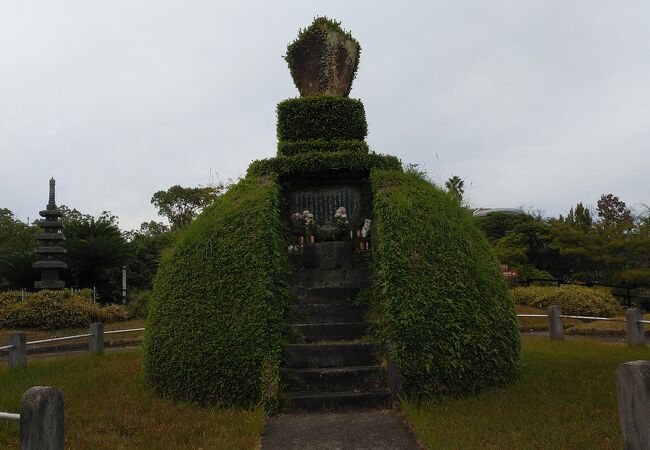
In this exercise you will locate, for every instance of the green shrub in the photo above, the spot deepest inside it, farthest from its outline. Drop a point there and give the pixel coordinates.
(139, 304)
(48, 310)
(321, 162)
(321, 117)
(216, 317)
(572, 300)
(442, 303)
(115, 313)
(290, 148)
(10, 297)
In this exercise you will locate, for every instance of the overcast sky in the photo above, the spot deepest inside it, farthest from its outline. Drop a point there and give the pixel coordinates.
(540, 103)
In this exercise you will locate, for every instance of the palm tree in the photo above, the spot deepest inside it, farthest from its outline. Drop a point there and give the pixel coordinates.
(455, 187)
(96, 252)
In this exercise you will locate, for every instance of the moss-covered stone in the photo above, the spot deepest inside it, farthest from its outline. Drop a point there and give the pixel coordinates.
(323, 59)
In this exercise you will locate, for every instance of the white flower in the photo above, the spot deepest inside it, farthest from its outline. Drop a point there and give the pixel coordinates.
(366, 228)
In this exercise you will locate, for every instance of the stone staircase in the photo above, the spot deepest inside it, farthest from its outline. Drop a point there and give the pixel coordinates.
(334, 368)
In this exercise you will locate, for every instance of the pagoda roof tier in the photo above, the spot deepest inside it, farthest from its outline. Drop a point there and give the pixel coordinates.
(46, 264)
(51, 249)
(51, 237)
(49, 284)
(49, 223)
(50, 213)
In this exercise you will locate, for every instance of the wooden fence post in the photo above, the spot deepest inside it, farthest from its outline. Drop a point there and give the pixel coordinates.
(97, 338)
(635, 329)
(18, 353)
(555, 326)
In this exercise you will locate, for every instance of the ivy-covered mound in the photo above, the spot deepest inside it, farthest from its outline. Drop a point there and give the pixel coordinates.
(217, 314)
(215, 328)
(442, 302)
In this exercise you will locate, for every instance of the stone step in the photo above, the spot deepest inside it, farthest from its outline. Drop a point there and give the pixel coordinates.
(316, 401)
(313, 332)
(331, 355)
(311, 278)
(335, 379)
(325, 294)
(328, 255)
(330, 312)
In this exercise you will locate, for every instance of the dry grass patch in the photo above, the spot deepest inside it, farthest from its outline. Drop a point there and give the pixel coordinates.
(108, 406)
(564, 399)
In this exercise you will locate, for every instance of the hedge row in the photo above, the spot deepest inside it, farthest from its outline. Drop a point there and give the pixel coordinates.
(51, 310)
(290, 148)
(442, 303)
(216, 317)
(572, 300)
(321, 117)
(322, 162)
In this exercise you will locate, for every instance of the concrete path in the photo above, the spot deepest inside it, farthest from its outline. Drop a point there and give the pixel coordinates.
(359, 430)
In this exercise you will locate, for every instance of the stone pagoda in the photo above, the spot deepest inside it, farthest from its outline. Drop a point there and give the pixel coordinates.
(50, 250)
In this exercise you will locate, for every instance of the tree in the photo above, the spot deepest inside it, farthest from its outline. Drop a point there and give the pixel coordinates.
(455, 186)
(153, 228)
(615, 218)
(580, 217)
(643, 222)
(96, 252)
(181, 205)
(577, 251)
(145, 248)
(17, 250)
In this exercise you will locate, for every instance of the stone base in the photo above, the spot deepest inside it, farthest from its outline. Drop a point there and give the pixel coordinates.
(328, 255)
(49, 284)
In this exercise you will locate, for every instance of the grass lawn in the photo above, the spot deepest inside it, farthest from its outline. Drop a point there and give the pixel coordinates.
(565, 399)
(108, 406)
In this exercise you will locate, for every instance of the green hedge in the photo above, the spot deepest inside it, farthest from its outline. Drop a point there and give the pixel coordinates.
(290, 148)
(321, 117)
(51, 310)
(216, 317)
(572, 300)
(322, 162)
(443, 304)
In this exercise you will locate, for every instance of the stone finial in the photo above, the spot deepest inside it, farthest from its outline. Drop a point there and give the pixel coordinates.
(52, 203)
(323, 59)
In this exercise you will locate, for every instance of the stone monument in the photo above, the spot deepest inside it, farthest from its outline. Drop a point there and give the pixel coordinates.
(323, 61)
(50, 250)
